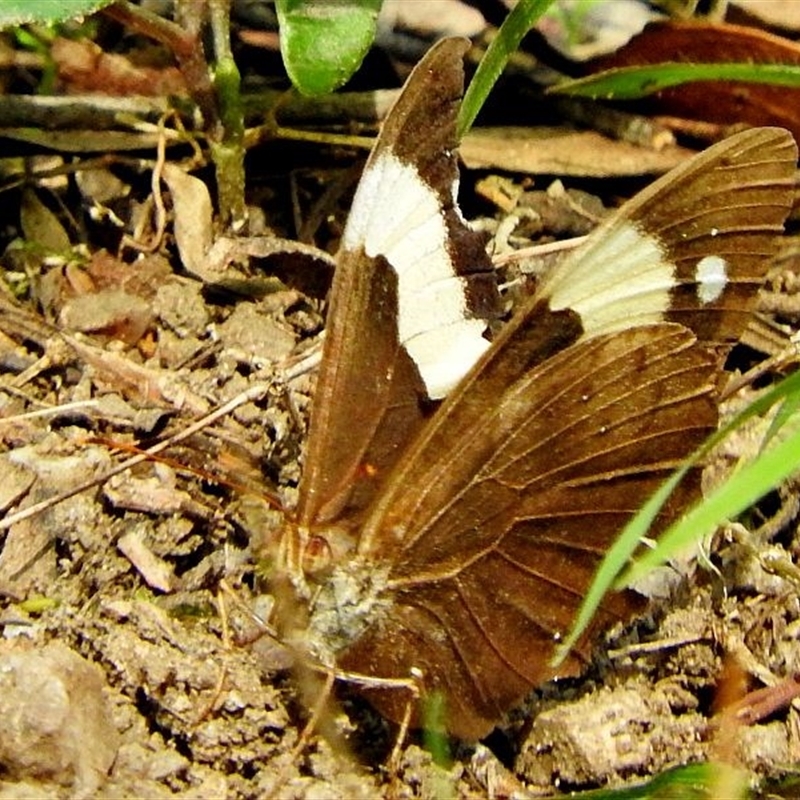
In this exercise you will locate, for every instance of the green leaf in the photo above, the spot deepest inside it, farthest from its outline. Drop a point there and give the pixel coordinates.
(23, 12)
(323, 42)
(631, 83)
(691, 782)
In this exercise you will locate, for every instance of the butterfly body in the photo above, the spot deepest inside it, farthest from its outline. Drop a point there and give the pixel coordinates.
(461, 540)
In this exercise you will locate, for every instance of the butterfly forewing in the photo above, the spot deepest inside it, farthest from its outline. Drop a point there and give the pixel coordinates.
(692, 247)
(411, 295)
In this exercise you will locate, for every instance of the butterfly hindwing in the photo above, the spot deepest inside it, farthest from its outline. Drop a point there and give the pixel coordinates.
(489, 573)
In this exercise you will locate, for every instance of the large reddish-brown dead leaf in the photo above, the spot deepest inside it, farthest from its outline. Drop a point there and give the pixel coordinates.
(715, 101)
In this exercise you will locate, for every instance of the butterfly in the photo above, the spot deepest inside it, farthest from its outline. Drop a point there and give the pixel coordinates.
(462, 491)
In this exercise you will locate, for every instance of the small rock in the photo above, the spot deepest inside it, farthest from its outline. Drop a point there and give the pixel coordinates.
(604, 736)
(56, 723)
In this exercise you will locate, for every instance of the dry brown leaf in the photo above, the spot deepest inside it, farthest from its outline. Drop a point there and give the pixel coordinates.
(41, 226)
(84, 67)
(194, 214)
(785, 15)
(563, 151)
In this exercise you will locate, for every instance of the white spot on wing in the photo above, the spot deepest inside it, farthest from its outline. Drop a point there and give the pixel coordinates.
(397, 216)
(712, 278)
(619, 280)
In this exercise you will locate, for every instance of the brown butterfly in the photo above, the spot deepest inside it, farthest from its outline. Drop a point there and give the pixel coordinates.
(462, 538)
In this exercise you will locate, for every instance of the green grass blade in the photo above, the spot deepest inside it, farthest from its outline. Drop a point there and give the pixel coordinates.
(631, 83)
(690, 782)
(519, 21)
